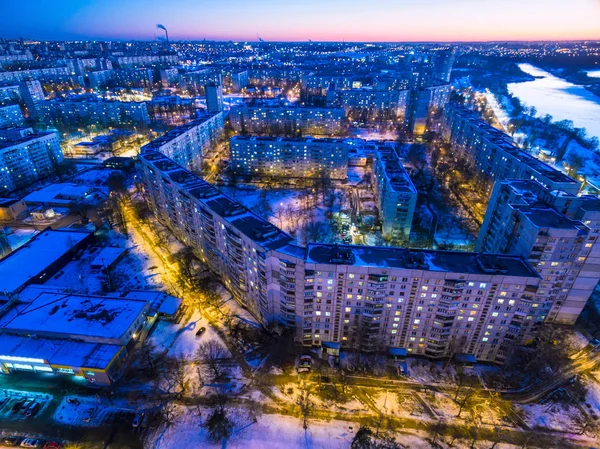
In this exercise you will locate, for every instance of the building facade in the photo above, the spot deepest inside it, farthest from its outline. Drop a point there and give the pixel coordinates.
(395, 193)
(289, 157)
(25, 160)
(11, 116)
(214, 97)
(432, 303)
(493, 156)
(187, 144)
(556, 232)
(369, 105)
(290, 121)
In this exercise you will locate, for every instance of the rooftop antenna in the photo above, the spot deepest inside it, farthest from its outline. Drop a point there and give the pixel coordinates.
(162, 27)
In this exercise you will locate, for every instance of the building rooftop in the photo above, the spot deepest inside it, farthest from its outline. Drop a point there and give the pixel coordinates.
(72, 316)
(504, 141)
(57, 351)
(156, 144)
(31, 259)
(397, 176)
(414, 259)
(14, 142)
(249, 224)
(546, 217)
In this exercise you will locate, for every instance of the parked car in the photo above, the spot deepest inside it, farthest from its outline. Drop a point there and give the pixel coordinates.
(88, 415)
(33, 409)
(25, 406)
(305, 363)
(52, 445)
(10, 441)
(73, 401)
(30, 442)
(137, 421)
(200, 332)
(17, 406)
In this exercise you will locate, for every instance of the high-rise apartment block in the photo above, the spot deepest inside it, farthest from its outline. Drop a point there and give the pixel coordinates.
(557, 232)
(289, 157)
(188, 143)
(432, 303)
(262, 118)
(395, 193)
(25, 160)
(239, 80)
(11, 116)
(214, 97)
(370, 105)
(492, 154)
(89, 109)
(32, 94)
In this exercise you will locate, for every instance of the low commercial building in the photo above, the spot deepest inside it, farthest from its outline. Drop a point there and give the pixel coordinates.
(12, 208)
(188, 143)
(289, 157)
(27, 159)
(59, 194)
(41, 258)
(75, 335)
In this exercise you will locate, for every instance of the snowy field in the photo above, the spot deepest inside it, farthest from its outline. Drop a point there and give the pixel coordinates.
(271, 431)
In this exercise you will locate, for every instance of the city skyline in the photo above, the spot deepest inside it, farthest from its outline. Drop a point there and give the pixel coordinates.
(335, 20)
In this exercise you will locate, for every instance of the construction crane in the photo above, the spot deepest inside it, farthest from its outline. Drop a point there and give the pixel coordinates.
(260, 39)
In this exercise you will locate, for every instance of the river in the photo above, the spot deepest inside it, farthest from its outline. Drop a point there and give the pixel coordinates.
(559, 98)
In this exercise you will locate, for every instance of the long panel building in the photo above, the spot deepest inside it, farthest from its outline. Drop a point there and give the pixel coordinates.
(434, 303)
(395, 193)
(188, 143)
(27, 159)
(492, 153)
(290, 157)
(557, 232)
(287, 120)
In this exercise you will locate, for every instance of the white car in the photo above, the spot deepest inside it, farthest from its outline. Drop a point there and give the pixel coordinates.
(30, 442)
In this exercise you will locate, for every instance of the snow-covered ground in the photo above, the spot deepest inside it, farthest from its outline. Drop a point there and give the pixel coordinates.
(270, 431)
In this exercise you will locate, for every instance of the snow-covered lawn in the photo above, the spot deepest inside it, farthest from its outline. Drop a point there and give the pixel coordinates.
(551, 416)
(271, 431)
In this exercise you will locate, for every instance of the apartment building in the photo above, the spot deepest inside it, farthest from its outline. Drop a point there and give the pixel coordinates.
(239, 80)
(214, 97)
(395, 193)
(262, 118)
(370, 105)
(432, 303)
(556, 232)
(11, 116)
(137, 78)
(47, 74)
(492, 154)
(187, 144)
(235, 243)
(89, 109)
(27, 159)
(289, 157)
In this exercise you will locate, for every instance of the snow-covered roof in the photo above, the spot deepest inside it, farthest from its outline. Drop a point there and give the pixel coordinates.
(34, 257)
(160, 301)
(416, 259)
(58, 352)
(75, 316)
(107, 256)
(63, 193)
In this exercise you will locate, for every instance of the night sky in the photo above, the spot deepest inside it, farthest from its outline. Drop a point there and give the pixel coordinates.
(294, 20)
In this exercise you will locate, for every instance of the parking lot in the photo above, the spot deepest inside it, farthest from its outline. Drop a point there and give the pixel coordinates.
(18, 405)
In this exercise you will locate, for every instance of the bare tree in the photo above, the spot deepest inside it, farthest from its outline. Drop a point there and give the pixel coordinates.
(210, 355)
